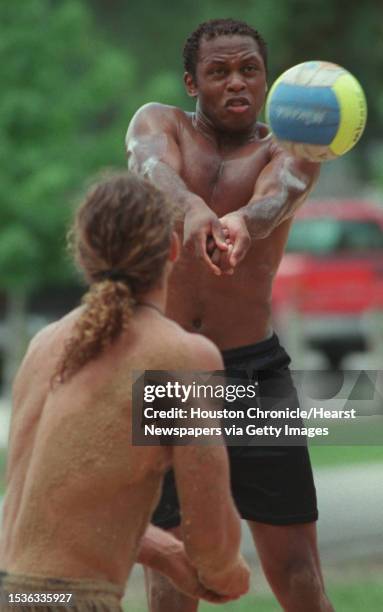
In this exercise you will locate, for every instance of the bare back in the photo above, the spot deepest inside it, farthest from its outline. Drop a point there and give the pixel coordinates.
(79, 495)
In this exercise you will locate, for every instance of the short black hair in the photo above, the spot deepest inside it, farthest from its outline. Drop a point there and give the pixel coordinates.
(212, 29)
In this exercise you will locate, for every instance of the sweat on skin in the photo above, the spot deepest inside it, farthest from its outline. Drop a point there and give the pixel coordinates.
(237, 190)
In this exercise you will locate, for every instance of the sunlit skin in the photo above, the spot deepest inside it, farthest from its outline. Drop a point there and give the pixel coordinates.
(80, 494)
(238, 191)
(233, 182)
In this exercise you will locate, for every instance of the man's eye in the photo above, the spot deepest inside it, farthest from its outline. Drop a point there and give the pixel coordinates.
(250, 68)
(218, 71)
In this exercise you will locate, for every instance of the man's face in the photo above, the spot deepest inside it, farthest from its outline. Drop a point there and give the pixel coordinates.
(230, 81)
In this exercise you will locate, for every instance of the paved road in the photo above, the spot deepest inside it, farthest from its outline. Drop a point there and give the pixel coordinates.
(351, 513)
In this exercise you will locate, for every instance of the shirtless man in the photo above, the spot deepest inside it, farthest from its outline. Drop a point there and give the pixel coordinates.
(238, 191)
(79, 495)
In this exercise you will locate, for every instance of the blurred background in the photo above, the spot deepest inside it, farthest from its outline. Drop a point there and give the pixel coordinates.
(73, 74)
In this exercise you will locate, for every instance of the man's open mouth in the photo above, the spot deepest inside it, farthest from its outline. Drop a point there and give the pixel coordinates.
(237, 105)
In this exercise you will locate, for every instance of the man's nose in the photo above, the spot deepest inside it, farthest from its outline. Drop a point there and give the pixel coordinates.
(236, 82)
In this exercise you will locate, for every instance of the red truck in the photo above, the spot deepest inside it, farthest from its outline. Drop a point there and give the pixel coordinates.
(332, 274)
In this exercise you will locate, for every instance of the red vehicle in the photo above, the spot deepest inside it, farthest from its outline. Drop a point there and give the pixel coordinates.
(332, 273)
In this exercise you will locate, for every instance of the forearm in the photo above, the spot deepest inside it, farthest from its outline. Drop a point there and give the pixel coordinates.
(168, 180)
(156, 549)
(212, 539)
(263, 215)
(219, 564)
(280, 190)
(214, 548)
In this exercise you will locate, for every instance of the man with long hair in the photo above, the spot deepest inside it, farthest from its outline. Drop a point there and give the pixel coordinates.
(79, 494)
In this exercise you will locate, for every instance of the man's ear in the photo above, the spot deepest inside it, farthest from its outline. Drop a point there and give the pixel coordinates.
(190, 84)
(175, 248)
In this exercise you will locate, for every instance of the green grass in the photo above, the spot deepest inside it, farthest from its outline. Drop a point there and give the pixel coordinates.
(365, 596)
(331, 456)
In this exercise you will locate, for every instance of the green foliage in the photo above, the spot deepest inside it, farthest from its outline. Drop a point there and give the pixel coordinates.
(74, 71)
(349, 34)
(66, 101)
(333, 456)
(296, 31)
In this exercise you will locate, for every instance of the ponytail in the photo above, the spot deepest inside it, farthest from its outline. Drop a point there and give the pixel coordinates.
(120, 240)
(107, 310)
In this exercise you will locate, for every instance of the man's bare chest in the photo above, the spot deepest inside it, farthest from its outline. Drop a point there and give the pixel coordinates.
(225, 181)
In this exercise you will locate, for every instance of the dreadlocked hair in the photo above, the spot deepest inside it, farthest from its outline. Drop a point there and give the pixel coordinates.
(120, 241)
(218, 27)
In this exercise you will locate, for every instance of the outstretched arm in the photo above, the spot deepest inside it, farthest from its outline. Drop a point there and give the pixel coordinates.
(153, 151)
(280, 190)
(210, 522)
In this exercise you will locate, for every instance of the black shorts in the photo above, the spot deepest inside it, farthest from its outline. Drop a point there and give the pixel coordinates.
(270, 484)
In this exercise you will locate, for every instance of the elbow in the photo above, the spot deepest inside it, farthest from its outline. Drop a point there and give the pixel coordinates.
(278, 211)
(140, 164)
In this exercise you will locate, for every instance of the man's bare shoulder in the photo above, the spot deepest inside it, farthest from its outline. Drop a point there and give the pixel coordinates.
(154, 114)
(46, 335)
(41, 339)
(36, 358)
(45, 344)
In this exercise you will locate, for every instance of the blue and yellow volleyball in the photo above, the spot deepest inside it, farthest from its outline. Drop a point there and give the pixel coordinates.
(317, 110)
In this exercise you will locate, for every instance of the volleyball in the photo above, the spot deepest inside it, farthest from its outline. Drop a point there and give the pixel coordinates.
(317, 110)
